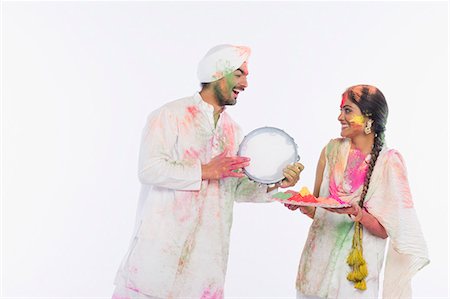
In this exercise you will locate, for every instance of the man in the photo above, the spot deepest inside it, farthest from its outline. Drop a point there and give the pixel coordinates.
(190, 178)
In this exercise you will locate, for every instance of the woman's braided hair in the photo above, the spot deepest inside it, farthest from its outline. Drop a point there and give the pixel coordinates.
(373, 105)
(370, 100)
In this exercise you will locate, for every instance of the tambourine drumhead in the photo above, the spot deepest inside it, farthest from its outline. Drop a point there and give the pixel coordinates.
(270, 150)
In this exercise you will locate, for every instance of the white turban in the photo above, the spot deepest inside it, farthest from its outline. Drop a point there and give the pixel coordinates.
(220, 61)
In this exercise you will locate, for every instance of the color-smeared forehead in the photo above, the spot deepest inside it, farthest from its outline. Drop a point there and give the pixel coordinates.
(344, 99)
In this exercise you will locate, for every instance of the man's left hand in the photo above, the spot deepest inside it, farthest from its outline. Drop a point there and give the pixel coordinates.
(291, 174)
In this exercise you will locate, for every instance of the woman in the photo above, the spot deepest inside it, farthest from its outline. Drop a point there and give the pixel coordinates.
(345, 249)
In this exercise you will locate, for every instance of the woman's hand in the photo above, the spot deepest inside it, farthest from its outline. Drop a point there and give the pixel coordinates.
(364, 217)
(308, 211)
(355, 212)
(291, 207)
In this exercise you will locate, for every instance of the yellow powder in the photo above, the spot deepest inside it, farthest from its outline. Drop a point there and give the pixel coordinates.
(359, 120)
(304, 191)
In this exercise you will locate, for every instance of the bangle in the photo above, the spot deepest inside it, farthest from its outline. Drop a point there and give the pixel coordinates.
(359, 214)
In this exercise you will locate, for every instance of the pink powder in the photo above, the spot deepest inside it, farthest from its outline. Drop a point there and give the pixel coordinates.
(356, 169)
(193, 110)
(207, 294)
(182, 207)
(401, 179)
(132, 288)
(354, 175)
(228, 133)
(344, 98)
(191, 154)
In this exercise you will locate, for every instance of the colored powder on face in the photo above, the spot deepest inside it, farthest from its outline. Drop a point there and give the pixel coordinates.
(226, 71)
(344, 98)
(357, 120)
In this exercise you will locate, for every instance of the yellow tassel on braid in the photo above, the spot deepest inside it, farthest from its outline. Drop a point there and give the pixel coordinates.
(363, 270)
(355, 257)
(356, 260)
(361, 285)
(356, 275)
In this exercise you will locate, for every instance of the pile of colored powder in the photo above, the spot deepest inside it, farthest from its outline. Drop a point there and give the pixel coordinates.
(304, 196)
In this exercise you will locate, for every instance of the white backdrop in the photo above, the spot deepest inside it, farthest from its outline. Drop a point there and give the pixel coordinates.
(79, 79)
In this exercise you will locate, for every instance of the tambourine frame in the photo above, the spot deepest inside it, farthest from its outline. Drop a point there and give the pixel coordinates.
(278, 131)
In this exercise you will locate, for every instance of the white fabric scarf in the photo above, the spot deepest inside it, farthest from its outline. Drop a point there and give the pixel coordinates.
(389, 200)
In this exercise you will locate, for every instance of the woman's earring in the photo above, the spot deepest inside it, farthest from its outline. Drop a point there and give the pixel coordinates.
(368, 127)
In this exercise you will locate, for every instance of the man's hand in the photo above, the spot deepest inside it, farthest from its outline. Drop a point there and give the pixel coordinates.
(292, 175)
(222, 166)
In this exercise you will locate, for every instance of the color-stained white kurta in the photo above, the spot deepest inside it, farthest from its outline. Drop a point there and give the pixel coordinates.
(323, 268)
(181, 241)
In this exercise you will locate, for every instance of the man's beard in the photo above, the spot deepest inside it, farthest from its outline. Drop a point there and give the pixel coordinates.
(221, 99)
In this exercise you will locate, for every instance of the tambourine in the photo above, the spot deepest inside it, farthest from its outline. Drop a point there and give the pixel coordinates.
(270, 150)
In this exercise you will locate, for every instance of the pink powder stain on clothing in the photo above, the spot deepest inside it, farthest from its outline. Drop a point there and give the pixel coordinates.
(208, 294)
(193, 110)
(155, 125)
(132, 288)
(182, 207)
(191, 154)
(228, 132)
(401, 180)
(356, 168)
(243, 50)
(354, 174)
(408, 203)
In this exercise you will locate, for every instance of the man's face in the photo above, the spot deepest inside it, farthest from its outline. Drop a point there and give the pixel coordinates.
(228, 88)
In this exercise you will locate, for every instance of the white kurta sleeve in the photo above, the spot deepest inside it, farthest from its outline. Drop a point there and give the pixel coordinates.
(158, 165)
(392, 205)
(249, 191)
